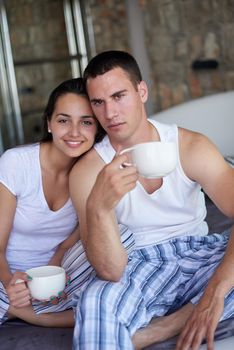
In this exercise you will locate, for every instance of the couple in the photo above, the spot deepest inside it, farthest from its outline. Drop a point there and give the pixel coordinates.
(144, 293)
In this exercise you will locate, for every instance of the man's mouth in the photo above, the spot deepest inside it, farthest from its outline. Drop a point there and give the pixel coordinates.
(115, 125)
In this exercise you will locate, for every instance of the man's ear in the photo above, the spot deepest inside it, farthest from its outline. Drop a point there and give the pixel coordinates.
(143, 91)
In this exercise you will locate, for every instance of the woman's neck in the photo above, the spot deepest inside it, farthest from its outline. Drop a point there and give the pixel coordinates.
(53, 160)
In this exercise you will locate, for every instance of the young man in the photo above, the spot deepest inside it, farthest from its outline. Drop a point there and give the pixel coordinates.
(173, 257)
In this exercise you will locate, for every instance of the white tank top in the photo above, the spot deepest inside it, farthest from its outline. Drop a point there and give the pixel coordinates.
(176, 209)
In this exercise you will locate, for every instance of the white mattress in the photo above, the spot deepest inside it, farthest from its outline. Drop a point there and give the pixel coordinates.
(224, 344)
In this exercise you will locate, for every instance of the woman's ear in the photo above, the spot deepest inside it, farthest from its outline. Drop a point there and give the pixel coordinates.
(48, 126)
(143, 91)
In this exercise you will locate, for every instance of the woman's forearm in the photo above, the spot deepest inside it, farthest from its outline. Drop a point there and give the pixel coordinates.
(57, 257)
(64, 246)
(5, 273)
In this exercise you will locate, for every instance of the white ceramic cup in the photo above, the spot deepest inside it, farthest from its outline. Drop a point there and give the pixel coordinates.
(47, 281)
(152, 159)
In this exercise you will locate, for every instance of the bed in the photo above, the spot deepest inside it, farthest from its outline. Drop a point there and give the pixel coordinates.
(18, 335)
(212, 116)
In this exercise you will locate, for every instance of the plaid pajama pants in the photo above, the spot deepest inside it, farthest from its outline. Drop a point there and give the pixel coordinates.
(158, 280)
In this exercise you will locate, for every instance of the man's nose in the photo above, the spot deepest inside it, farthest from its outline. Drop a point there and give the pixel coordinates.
(111, 110)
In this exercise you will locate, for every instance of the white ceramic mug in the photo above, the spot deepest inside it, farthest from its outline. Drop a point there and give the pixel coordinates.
(47, 281)
(153, 159)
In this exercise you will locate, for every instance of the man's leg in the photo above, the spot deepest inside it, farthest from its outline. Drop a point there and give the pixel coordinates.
(162, 328)
(157, 280)
(97, 326)
(108, 314)
(211, 252)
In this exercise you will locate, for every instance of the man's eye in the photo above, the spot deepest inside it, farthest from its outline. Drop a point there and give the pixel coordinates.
(118, 97)
(97, 102)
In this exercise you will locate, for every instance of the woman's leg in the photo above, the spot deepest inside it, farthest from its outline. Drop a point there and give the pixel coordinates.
(51, 314)
(79, 270)
(51, 319)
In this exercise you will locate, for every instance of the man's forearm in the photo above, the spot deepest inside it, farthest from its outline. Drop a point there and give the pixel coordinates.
(103, 245)
(223, 279)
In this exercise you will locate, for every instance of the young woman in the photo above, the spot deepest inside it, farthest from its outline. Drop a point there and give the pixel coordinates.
(38, 223)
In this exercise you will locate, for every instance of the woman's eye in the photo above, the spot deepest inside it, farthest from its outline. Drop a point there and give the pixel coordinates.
(62, 121)
(87, 122)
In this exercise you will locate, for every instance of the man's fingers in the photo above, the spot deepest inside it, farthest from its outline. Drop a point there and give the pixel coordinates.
(119, 159)
(210, 336)
(185, 338)
(191, 337)
(198, 338)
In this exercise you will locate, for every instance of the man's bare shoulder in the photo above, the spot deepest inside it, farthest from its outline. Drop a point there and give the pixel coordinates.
(90, 161)
(197, 154)
(83, 176)
(189, 139)
(196, 147)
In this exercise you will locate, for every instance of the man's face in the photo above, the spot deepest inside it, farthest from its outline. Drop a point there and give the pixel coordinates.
(117, 104)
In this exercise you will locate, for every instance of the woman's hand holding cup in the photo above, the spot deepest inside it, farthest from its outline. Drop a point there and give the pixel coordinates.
(17, 290)
(48, 283)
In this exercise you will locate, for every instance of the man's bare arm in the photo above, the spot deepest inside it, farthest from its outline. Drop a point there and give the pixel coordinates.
(203, 163)
(205, 317)
(95, 190)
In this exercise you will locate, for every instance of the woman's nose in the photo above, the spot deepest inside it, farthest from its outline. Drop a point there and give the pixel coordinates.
(75, 130)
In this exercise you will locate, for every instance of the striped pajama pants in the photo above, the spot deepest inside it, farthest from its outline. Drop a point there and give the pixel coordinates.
(77, 268)
(158, 280)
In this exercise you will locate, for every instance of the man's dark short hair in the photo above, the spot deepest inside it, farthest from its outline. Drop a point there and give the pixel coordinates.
(108, 60)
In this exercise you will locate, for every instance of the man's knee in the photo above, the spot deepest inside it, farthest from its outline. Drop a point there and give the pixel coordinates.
(96, 294)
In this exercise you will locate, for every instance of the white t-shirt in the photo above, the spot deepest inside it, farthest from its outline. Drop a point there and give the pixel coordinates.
(36, 230)
(176, 209)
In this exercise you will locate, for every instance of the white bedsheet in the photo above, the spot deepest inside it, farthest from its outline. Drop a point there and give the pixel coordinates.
(224, 344)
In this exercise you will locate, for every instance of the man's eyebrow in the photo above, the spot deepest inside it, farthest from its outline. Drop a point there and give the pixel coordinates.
(118, 92)
(113, 95)
(95, 100)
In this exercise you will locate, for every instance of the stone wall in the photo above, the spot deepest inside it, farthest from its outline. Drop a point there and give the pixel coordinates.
(38, 40)
(39, 48)
(110, 24)
(181, 31)
(177, 32)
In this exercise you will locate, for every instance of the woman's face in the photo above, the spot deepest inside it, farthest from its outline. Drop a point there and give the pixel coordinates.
(73, 125)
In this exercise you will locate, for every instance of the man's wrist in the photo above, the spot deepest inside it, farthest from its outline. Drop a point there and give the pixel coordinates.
(219, 286)
(95, 209)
